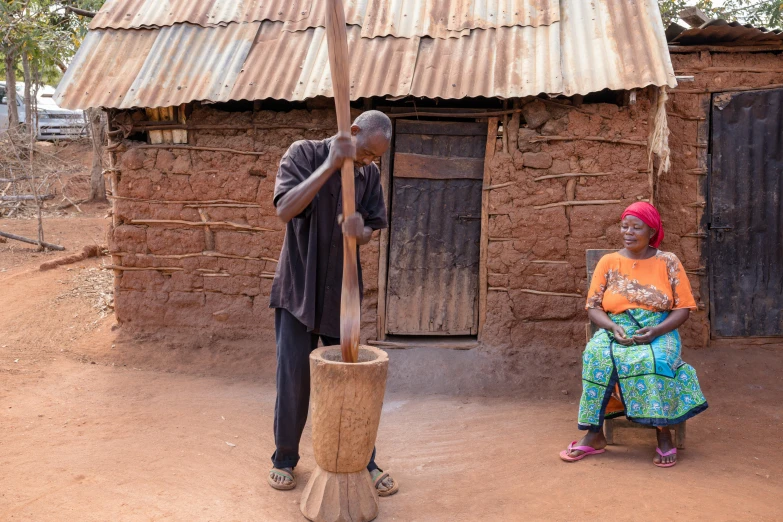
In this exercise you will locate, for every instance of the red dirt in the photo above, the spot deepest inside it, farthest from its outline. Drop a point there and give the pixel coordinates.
(101, 425)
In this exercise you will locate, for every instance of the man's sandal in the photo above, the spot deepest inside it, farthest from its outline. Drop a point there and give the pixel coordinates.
(281, 473)
(386, 492)
(669, 453)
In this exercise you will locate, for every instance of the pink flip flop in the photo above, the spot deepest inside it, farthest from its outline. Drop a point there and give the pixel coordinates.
(672, 451)
(586, 449)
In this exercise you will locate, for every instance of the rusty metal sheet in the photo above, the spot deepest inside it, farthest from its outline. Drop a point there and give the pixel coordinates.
(746, 214)
(104, 68)
(507, 62)
(614, 44)
(379, 66)
(722, 32)
(434, 18)
(188, 62)
(135, 14)
(406, 18)
(434, 238)
(434, 257)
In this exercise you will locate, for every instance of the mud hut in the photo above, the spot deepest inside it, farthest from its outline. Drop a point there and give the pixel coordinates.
(520, 135)
(721, 197)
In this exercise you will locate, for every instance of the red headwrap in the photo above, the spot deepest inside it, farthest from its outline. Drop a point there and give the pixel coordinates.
(650, 216)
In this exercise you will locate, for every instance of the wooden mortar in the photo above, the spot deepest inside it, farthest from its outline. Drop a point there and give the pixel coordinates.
(345, 410)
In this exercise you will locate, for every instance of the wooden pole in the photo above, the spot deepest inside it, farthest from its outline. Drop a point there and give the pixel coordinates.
(337, 42)
(32, 241)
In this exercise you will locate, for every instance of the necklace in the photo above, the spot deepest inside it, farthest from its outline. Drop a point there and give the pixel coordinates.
(634, 264)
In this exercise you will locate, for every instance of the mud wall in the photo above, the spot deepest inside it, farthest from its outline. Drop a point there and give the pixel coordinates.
(215, 275)
(219, 275)
(538, 238)
(682, 192)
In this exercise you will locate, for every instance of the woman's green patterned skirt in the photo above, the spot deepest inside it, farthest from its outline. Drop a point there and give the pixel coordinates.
(657, 388)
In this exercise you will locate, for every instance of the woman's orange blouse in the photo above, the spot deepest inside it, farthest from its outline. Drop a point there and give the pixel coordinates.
(658, 284)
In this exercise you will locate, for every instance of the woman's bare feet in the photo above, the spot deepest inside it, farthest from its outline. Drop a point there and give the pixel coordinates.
(595, 440)
(665, 444)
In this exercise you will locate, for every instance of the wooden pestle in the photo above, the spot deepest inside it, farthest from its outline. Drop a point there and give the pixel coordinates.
(350, 312)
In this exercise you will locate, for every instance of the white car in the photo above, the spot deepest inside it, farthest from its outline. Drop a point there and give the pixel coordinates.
(54, 123)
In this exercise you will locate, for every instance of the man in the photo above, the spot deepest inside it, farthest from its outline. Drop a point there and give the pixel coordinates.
(307, 285)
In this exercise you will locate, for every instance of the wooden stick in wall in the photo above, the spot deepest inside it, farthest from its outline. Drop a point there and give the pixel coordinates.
(575, 175)
(578, 203)
(207, 149)
(114, 184)
(732, 69)
(196, 254)
(199, 224)
(499, 185)
(537, 139)
(530, 291)
(452, 114)
(684, 117)
(193, 203)
(539, 292)
(223, 205)
(733, 89)
(489, 153)
(140, 269)
(157, 126)
(383, 244)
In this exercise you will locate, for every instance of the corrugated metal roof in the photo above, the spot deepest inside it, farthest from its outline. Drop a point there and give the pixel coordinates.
(614, 44)
(598, 44)
(401, 18)
(104, 68)
(308, 76)
(507, 62)
(722, 32)
(136, 14)
(188, 62)
(434, 18)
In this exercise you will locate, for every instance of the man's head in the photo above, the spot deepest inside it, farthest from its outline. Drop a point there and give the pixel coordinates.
(372, 132)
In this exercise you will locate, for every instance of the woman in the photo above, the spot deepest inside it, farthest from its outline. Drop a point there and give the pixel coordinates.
(638, 298)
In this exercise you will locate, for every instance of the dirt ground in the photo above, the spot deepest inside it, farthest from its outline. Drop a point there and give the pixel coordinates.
(101, 425)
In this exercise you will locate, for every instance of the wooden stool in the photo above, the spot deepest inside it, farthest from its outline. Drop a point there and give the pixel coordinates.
(612, 424)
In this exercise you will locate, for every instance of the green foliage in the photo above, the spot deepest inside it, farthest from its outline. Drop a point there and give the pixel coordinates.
(45, 31)
(760, 13)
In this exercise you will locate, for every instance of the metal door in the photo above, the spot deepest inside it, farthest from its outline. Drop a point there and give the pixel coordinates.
(746, 214)
(434, 245)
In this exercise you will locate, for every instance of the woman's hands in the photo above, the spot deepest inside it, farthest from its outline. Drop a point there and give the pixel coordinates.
(602, 320)
(620, 336)
(646, 335)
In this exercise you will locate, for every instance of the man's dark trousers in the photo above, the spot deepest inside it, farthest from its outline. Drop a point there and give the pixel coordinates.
(294, 344)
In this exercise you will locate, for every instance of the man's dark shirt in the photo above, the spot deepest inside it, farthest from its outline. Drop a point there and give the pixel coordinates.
(309, 274)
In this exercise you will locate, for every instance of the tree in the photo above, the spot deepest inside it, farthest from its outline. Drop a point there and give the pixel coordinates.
(45, 34)
(97, 121)
(10, 82)
(762, 13)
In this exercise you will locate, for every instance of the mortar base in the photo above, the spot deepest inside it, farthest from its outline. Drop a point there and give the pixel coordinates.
(339, 497)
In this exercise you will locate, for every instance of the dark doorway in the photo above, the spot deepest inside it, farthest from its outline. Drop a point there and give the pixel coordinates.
(746, 214)
(435, 237)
